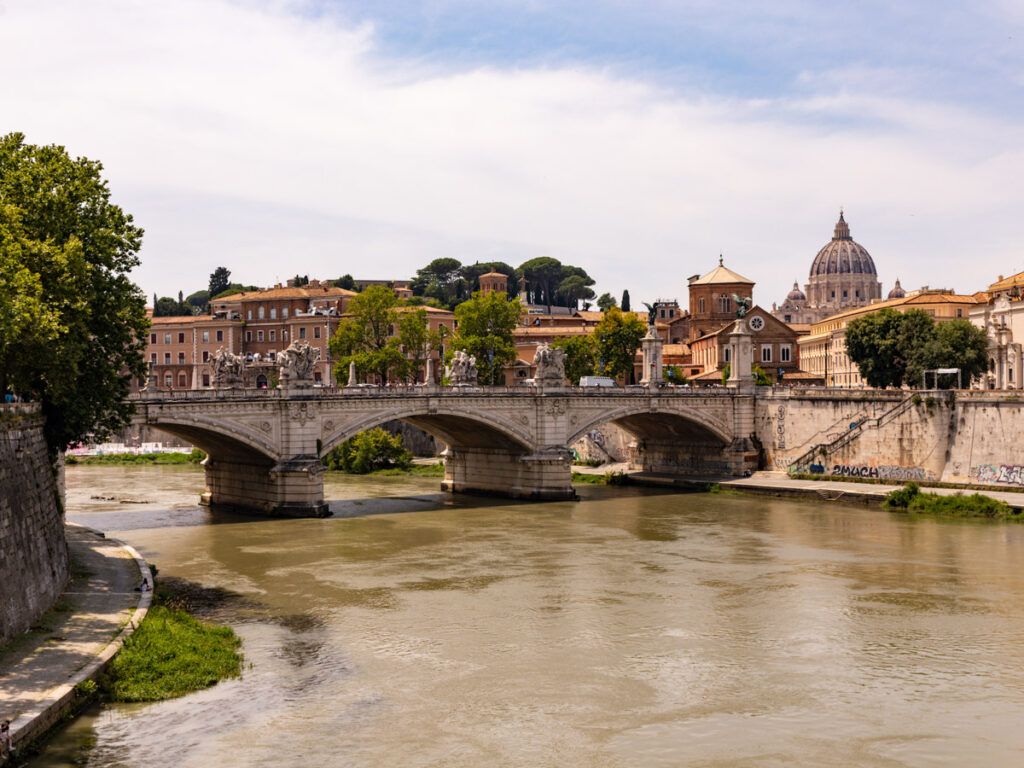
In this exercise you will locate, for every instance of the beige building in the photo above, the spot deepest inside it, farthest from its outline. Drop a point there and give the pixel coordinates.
(823, 350)
(1000, 312)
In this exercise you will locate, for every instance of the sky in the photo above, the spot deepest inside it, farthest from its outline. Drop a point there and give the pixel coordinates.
(638, 140)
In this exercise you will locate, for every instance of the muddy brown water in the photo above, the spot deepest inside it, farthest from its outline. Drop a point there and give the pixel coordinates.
(630, 628)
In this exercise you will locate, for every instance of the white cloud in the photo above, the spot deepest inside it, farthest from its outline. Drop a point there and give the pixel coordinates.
(276, 144)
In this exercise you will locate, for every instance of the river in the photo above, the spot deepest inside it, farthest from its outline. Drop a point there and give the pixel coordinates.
(631, 628)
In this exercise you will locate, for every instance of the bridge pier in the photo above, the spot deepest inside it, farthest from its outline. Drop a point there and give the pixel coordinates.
(669, 457)
(546, 475)
(291, 488)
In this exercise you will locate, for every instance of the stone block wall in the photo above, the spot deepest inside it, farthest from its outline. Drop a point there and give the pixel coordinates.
(34, 563)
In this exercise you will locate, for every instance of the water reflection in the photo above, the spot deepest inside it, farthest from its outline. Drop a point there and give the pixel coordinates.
(627, 629)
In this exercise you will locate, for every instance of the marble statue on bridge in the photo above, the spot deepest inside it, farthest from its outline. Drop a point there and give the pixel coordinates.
(228, 369)
(462, 371)
(550, 365)
(297, 364)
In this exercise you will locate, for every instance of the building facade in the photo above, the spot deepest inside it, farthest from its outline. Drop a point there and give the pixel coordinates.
(1000, 312)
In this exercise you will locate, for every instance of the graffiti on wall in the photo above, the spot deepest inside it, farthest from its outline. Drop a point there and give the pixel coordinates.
(1008, 474)
(884, 472)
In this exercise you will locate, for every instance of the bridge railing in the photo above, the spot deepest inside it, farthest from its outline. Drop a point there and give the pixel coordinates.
(402, 391)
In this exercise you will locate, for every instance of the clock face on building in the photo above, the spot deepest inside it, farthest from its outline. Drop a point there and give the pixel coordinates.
(756, 323)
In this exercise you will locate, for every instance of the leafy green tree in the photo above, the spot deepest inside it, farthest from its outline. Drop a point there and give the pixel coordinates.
(542, 275)
(220, 279)
(67, 254)
(441, 279)
(674, 374)
(873, 343)
(300, 280)
(580, 356)
(366, 337)
(471, 275)
(618, 337)
(199, 301)
(165, 306)
(956, 344)
(485, 325)
(367, 452)
(234, 288)
(625, 301)
(346, 282)
(606, 301)
(416, 342)
(574, 289)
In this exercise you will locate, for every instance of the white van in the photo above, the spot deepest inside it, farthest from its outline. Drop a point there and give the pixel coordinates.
(597, 381)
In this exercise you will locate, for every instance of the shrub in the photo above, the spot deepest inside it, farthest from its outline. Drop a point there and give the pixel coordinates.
(367, 452)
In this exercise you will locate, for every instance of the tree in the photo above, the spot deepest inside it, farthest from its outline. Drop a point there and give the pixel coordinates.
(234, 288)
(300, 280)
(471, 275)
(199, 301)
(67, 252)
(580, 356)
(369, 451)
(674, 374)
(541, 274)
(485, 325)
(618, 337)
(873, 344)
(220, 279)
(606, 301)
(416, 341)
(165, 306)
(956, 344)
(346, 282)
(893, 348)
(574, 289)
(625, 301)
(441, 279)
(366, 337)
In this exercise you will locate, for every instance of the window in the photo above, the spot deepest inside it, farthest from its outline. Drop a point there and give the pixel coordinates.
(259, 335)
(788, 318)
(724, 304)
(206, 379)
(959, 312)
(181, 357)
(671, 313)
(181, 338)
(284, 335)
(248, 335)
(316, 332)
(833, 294)
(700, 305)
(662, 312)
(152, 358)
(206, 355)
(261, 312)
(168, 381)
(844, 294)
(182, 381)
(273, 313)
(273, 335)
(284, 312)
(302, 333)
(726, 356)
(152, 338)
(785, 354)
(248, 314)
(317, 376)
(220, 335)
(167, 338)
(167, 358)
(206, 336)
(766, 353)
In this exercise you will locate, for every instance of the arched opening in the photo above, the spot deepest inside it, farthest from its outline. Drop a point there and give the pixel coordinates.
(261, 381)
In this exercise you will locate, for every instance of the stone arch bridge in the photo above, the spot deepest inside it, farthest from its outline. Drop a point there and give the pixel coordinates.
(264, 446)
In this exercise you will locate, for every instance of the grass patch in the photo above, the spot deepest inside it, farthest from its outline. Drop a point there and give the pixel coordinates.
(716, 488)
(121, 459)
(420, 470)
(608, 478)
(909, 498)
(171, 654)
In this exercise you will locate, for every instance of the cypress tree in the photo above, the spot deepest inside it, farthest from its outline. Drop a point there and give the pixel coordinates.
(625, 301)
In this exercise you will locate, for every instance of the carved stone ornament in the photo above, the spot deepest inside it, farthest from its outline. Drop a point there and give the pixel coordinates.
(297, 363)
(300, 412)
(462, 371)
(228, 369)
(555, 407)
(550, 365)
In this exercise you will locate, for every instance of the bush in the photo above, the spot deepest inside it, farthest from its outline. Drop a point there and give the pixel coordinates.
(367, 452)
(910, 499)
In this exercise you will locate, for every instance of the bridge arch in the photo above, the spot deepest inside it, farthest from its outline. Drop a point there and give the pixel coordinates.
(679, 422)
(218, 438)
(459, 428)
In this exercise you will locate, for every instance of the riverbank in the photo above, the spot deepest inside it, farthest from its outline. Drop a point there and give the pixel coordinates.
(51, 670)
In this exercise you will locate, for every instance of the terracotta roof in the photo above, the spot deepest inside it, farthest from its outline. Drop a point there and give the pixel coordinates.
(675, 350)
(190, 320)
(552, 330)
(714, 375)
(586, 314)
(1008, 282)
(918, 297)
(297, 292)
(429, 310)
(721, 274)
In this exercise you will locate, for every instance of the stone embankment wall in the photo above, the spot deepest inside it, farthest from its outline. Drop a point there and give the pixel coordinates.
(33, 553)
(962, 437)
